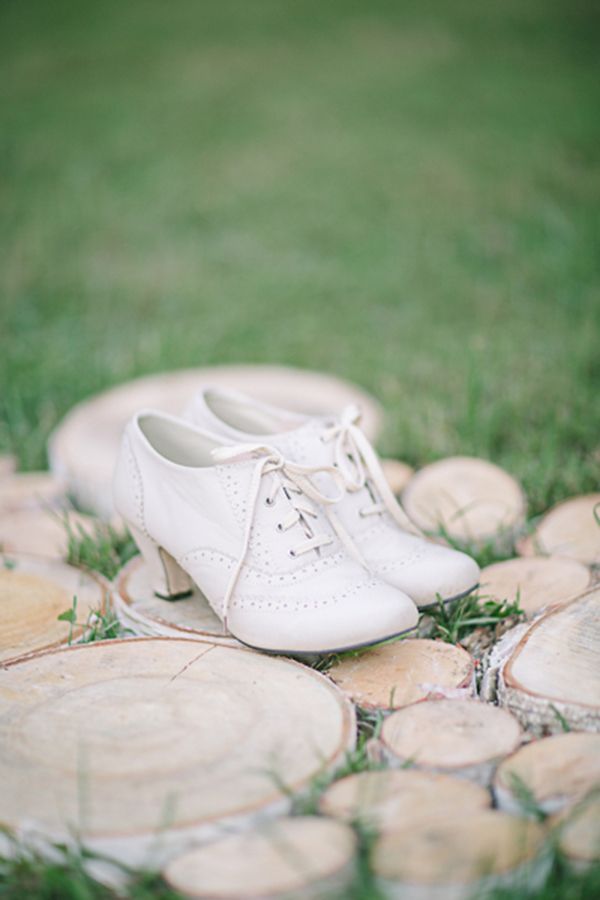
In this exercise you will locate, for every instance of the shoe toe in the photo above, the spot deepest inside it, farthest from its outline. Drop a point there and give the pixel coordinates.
(440, 574)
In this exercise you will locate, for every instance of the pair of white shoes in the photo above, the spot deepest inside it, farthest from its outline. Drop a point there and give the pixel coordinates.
(285, 522)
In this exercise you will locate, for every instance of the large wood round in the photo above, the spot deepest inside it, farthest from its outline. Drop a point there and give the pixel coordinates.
(461, 737)
(397, 474)
(41, 531)
(126, 738)
(536, 583)
(31, 490)
(392, 798)
(579, 832)
(393, 675)
(558, 771)
(146, 614)
(33, 592)
(570, 529)
(8, 465)
(305, 856)
(554, 671)
(84, 447)
(472, 500)
(455, 856)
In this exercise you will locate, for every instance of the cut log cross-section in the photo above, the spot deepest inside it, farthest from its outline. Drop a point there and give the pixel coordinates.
(393, 675)
(536, 583)
(553, 674)
(305, 856)
(570, 529)
(466, 738)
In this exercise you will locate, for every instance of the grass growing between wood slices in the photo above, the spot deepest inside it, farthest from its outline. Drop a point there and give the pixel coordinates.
(106, 550)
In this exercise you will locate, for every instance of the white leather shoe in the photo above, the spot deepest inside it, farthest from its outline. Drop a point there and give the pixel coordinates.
(249, 528)
(384, 538)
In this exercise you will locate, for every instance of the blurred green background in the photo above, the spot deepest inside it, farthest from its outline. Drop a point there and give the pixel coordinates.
(402, 193)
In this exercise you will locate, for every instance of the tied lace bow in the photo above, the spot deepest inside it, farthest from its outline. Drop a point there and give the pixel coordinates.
(295, 482)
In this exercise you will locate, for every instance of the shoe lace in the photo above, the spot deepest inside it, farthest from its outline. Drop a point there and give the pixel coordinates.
(356, 461)
(294, 481)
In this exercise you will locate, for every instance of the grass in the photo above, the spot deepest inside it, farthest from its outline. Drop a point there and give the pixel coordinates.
(405, 194)
(105, 550)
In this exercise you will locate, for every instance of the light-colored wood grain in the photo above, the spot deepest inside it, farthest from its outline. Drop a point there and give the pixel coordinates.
(570, 529)
(460, 737)
(579, 831)
(304, 856)
(393, 798)
(473, 500)
(536, 583)
(84, 446)
(41, 531)
(146, 614)
(554, 670)
(33, 592)
(31, 490)
(397, 473)
(121, 740)
(455, 856)
(393, 675)
(557, 771)
(8, 465)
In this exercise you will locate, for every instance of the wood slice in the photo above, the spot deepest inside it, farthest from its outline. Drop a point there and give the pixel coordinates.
(459, 856)
(397, 473)
(31, 490)
(554, 671)
(394, 798)
(557, 771)
(33, 592)
(460, 737)
(579, 832)
(393, 675)
(305, 856)
(84, 446)
(8, 465)
(473, 500)
(40, 531)
(570, 529)
(536, 583)
(147, 745)
(141, 610)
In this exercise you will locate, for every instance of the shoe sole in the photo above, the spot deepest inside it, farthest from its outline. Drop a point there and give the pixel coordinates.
(317, 654)
(448, 600)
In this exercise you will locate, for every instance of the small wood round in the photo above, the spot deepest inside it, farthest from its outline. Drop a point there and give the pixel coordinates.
(397, 473)
(460, 737)
(31, 490)
(553, 672)
(570, 529)
(8, 465)
(303, 856)
(536, 583)
(84, 446)
(455, 856)
(473, 500)
(33, 592)
(141, 610)
(557, 771)
(148, 744)
(580, 832)
(392, 798)
(393, 675)
(40, 531)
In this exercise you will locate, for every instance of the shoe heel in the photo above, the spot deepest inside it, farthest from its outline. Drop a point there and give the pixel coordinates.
(169, 579)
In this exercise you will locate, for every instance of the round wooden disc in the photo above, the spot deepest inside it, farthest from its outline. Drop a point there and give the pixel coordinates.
(580, 831)
(141, 610)
(461, 737)
(393, 675)
(392, 798)
(554, 671)
(33, 592)
(472, 499)
(458, 850)
(124, 739)
(40, 531)
(397, 473)
(31, 490)
(570, 529)
(536, 583)
(84, 447)
(557, 771)
(8, 465)
(304, 854)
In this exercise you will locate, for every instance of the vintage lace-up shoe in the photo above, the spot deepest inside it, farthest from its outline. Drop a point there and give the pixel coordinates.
(383, 536)
(249, 528)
